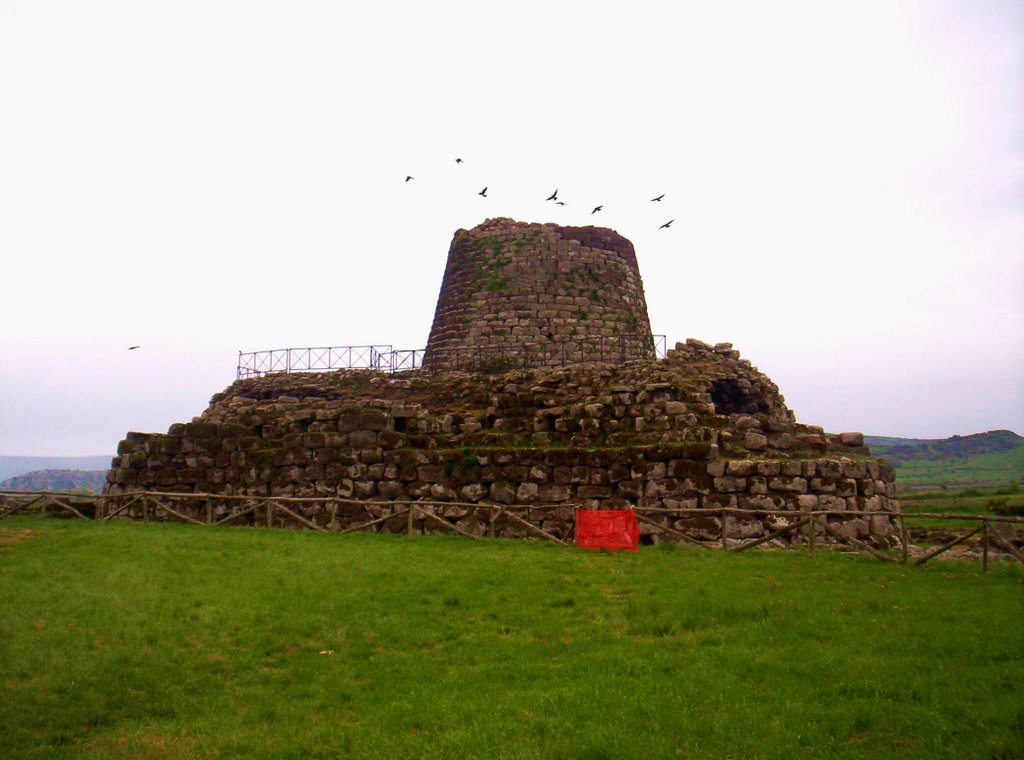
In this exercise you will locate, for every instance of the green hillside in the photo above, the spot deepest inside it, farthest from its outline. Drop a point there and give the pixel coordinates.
(11, 466)
(995, 458)
(58, 480)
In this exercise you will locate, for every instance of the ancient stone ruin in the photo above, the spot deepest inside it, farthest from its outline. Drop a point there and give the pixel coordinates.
(514, 287)
(679, 438)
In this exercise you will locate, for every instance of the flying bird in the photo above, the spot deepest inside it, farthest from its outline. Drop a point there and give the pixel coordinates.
(659, 197)
(559, 203)
(132, 348)
(458, 160)
(407, 178)
(483, 192)
(553, 196)
(596, 209)
(666, 224)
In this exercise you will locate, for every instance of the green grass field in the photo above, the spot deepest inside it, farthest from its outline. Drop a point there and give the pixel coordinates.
(1006, 501)
(990, 469)
(128, 640)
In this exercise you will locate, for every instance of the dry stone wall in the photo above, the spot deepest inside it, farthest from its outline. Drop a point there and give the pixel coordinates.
(511, 284)
(702, 429)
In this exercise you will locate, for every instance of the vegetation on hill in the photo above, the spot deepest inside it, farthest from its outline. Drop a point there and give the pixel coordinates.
(20, 465)
(987, 459)
(58, 480)
(229, 642)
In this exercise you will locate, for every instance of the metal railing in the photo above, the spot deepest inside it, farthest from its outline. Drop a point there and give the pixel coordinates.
(487, 358)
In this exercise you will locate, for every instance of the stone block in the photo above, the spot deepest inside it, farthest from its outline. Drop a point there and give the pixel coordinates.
(788, 485)
(630, 489)
(807, 502)
(552, 492)
(853, 440)
(754, 441)
(740, 467)
(527, 493)
(728, 484)
(716, 469)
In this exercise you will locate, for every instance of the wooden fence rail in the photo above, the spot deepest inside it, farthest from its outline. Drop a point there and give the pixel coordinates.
(220, 509)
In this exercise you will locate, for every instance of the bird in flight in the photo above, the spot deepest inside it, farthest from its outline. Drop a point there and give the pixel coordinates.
(483, 192)
(553, 196)
(559, 203)
(407, 178)
(659, 197)
(666, 224)
(132, 348)
(458, 160)
(596, 209)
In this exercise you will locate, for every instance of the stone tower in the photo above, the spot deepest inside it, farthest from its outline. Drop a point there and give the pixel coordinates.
(554, 293)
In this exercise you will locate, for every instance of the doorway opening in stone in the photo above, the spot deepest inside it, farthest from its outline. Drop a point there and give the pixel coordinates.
(732, 396)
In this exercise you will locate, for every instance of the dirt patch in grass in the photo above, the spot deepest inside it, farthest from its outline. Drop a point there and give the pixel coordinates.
(11, 536)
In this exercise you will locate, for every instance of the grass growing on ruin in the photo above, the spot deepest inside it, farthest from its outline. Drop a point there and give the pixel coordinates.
(127, 640)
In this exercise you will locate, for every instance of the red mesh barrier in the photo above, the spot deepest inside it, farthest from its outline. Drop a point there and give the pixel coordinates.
(607, 529)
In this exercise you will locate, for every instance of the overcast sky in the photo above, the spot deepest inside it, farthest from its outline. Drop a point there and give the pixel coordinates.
(199, 178)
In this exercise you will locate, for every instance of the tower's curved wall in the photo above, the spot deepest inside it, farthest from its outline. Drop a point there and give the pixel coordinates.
(509, 285)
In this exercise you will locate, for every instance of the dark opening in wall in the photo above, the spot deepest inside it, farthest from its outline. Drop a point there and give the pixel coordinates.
(732, 396)
(400, 424)
(302, 426)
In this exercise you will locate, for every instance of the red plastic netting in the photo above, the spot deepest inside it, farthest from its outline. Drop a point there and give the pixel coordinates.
(607, 529)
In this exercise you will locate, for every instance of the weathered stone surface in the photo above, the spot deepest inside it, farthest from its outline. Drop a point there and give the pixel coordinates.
(512, 288)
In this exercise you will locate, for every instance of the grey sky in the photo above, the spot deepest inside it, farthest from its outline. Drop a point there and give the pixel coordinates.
(201, 178)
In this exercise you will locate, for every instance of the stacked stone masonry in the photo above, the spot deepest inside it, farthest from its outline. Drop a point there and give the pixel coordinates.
(511, 284)
(701, 429)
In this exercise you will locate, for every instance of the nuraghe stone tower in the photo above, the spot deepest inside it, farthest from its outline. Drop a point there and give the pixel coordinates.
(515, 287)
(680, 438)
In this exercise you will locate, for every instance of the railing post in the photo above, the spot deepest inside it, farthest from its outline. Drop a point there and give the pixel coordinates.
(725, 531)
(811, 530)
(984, 546)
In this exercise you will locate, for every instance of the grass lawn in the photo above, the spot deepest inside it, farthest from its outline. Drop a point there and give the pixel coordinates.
(128, 640)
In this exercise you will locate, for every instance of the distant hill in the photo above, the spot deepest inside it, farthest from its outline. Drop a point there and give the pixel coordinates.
(11, 466)
(982, 459)
(58, 480)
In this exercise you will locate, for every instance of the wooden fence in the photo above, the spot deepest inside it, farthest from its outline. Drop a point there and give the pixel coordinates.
(813, 527)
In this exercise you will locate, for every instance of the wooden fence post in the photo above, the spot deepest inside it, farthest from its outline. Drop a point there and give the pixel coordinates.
(209, 511)
(810, 531)
(984, 546)
(408, 521)
(270, 514)
(145, 509)
(904, 542)
(725, 531)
